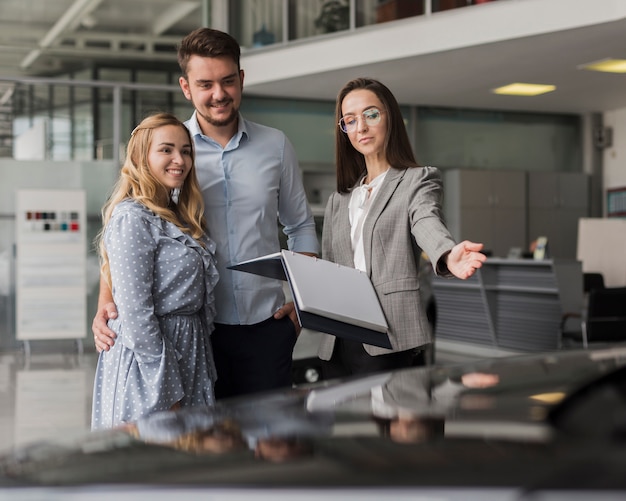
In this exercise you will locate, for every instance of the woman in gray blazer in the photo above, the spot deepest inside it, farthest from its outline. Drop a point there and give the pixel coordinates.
(385, 212)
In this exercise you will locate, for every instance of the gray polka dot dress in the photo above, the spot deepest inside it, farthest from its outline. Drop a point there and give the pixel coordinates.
(163, 283)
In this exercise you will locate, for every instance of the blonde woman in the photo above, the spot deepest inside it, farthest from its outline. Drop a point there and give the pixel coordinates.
(159, 264)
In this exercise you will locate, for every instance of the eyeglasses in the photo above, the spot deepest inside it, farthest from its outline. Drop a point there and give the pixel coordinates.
(349, 123)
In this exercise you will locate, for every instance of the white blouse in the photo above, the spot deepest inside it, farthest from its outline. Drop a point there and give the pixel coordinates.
(360, 203)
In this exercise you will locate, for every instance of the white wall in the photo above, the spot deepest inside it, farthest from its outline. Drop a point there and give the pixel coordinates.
(602, 241)
(601, 247)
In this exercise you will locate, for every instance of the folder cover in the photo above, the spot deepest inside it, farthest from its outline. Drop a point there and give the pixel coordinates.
(329, 298)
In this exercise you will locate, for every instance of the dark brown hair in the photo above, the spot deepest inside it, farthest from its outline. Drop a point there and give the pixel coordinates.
(349, 162)
(207, 42)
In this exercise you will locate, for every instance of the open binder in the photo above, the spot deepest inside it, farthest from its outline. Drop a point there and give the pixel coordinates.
(329, 298)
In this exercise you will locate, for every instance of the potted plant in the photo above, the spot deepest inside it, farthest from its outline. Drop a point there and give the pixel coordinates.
(334, 16)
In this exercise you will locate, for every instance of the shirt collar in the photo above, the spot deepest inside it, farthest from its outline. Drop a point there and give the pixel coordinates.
(376, 182)
(195, 130)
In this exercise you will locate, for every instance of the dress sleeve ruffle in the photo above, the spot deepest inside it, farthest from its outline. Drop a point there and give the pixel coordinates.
(211, 275)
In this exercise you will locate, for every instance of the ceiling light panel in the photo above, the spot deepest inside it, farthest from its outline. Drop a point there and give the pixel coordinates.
(524, 89)
(606, 65)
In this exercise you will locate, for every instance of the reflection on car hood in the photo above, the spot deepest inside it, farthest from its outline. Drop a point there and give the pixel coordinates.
(528, 422)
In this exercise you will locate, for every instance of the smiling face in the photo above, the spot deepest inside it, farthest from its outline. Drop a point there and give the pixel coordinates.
(214, 86)
(170, 155)
(367, 137)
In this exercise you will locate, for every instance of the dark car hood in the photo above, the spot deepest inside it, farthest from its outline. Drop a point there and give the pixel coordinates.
(530, 423)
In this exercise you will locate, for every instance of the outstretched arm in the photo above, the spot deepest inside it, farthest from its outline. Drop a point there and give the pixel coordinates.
(464, 259)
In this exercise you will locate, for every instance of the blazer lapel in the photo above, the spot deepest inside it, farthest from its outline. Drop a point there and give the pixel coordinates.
(387, 189)
(343, 242)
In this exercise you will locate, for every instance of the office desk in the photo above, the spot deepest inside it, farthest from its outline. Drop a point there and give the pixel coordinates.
(509, 304)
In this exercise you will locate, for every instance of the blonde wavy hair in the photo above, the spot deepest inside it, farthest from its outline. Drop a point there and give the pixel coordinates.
(136, 182)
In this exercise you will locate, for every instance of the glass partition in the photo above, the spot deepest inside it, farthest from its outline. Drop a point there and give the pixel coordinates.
(318, 18)
(309, 125)
(455, 138)
(441, 5)
(381, 11)
(60, 123)
(257, 22)
(83, 129)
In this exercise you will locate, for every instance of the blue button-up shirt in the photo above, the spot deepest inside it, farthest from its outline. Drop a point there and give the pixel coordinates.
(248, 187)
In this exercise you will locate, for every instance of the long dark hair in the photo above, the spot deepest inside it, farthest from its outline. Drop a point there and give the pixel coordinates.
(349, 162)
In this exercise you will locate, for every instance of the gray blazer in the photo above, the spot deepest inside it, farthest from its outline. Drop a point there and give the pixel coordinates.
(404, 219)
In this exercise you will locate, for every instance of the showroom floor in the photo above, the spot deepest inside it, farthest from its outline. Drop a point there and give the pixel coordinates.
(44, 394)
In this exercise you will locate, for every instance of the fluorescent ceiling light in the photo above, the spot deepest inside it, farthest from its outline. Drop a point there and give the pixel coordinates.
(524, 89)
(608, 65)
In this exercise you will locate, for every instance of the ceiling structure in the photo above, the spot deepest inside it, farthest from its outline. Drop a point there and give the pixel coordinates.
(48, 37)
(464, 78)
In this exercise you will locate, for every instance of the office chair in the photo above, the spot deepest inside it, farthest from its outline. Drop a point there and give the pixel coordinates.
(606, 315)
(592, 281)
(603, 318)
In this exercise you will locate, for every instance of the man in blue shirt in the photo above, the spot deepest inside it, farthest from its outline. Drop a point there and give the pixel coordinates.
(249, 175)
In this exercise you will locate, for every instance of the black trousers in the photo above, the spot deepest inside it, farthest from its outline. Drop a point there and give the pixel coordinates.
(253, 358)
(350, 358)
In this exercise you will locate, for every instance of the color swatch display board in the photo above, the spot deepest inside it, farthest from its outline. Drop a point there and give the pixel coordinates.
(51, 293)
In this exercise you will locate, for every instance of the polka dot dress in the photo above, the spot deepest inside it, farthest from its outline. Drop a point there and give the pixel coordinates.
(163, 283)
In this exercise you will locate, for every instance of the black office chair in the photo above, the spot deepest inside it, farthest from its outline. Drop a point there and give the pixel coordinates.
(571, 328)
(602, 320)
(592, 281)
(605, 319)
